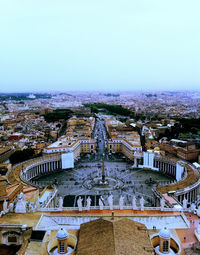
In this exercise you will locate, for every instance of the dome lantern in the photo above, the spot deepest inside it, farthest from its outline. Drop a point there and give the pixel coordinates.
(62, 236)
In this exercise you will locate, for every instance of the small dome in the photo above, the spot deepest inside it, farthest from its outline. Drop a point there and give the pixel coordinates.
(24, 227)
(165, 233)
(62, 234)
(156, 149)
(150, 136)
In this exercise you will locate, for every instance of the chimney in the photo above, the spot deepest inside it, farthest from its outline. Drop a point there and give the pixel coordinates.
(113, 215)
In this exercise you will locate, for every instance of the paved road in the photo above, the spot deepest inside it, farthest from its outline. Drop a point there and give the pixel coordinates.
(100, 134)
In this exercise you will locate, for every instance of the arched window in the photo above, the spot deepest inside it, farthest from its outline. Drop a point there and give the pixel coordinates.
(165, 246)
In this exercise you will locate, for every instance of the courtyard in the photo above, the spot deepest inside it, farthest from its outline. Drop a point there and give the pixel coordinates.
(121, 180)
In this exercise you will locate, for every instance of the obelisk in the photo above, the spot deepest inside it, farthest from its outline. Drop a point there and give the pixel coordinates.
(103, 171)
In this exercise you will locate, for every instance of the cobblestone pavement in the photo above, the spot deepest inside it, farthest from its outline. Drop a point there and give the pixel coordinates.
(134, 181)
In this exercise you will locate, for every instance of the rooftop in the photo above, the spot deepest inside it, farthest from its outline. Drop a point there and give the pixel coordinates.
(114, 238)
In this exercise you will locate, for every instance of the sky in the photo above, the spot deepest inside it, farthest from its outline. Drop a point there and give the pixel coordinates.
(62, 45)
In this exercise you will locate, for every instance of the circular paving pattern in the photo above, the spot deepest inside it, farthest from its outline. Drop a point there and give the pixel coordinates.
(109, 184)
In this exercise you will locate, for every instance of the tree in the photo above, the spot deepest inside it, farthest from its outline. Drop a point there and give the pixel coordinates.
(20, 156)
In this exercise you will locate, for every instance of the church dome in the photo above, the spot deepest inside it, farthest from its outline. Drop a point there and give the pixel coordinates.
(165, 233)
(62, 234)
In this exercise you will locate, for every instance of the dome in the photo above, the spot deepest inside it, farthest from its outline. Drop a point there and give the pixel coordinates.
(156, 149)
(165, 233)
(62, 234)
(24, 227)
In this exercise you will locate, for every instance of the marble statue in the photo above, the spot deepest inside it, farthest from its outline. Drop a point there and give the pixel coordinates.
(193, 207)
(142, 203)
(162, 203)
(23, 196)
(101, 203)
(88, 203)
(21, 204)
(5, 205)
(110, 202)
(185, 203)
(121, 202)
(11, 207)
(60, 204)
(79, 202)
(134, 203)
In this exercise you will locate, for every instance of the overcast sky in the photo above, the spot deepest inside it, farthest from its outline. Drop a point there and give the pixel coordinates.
(99, 45)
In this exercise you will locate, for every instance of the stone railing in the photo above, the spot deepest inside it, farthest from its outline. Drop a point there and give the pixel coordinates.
(115, 207)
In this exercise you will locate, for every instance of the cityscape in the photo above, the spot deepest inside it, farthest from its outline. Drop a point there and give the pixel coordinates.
(99, 127)
(73, 163)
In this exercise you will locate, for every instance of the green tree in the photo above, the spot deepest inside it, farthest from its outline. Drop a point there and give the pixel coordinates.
(20, 156)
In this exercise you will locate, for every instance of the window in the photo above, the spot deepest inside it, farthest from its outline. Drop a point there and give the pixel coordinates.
(62, 246)
(165, 246)
(12, 239)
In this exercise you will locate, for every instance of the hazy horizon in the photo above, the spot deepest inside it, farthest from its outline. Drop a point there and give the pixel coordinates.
(101, 91)
(99, 46)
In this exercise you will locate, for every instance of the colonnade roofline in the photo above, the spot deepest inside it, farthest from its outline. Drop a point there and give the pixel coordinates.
(188, 182)
(191, 180)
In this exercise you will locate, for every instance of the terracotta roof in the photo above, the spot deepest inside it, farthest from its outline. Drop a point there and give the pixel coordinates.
(119, 237)
(5, 149)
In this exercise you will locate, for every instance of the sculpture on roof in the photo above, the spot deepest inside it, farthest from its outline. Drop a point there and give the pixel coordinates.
(110, 202)
(142, 203)
(21, 204)
(101, 203)
(79, 202)
(185, 203)
(121, 202)
(192, 207)
(5, 205)
(60, 204)
(11, 207)
(134, 203)
(162, 203)
(88, 203)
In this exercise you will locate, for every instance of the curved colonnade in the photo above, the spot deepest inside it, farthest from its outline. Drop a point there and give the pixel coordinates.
(33, 168)
(186, 175)
(40, 166)
(187, 187)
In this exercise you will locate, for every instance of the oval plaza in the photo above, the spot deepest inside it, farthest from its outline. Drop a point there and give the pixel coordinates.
(115, 185)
